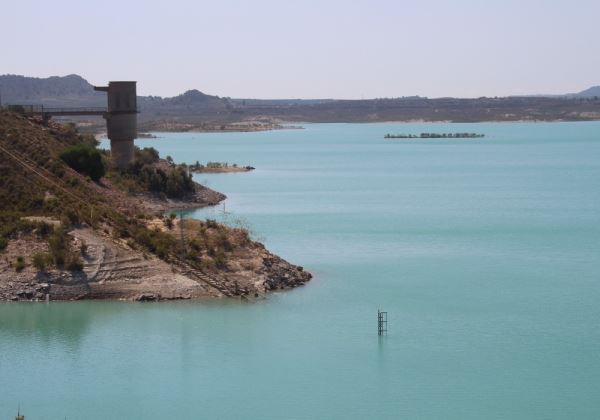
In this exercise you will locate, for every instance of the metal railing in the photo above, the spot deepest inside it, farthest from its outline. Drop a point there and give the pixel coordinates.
(41, 109)
(30, 109)
(64, 110)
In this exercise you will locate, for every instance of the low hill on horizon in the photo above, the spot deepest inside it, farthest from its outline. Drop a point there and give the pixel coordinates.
(589, 93)
(70, 90)
(193, 108)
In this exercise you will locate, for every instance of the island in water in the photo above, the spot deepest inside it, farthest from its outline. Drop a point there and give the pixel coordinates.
(218, 167)
(435, 136)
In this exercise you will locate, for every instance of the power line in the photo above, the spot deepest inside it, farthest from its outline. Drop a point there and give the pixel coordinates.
(28, 166)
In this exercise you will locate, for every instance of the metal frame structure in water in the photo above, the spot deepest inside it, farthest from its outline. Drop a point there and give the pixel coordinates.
(381, 322)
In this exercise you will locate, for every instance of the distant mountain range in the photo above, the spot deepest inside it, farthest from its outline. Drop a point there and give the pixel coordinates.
(196, 107)
(65, 90)
(588, 93)
(74, 90)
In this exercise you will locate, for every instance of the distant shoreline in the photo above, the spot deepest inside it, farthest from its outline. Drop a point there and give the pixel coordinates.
(155, 134)
(426, 136)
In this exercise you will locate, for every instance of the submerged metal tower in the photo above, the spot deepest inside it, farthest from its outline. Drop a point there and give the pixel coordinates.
(121, 120)
(381, 322)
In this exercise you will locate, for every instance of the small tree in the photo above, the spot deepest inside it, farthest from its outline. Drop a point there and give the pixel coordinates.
(85, 159)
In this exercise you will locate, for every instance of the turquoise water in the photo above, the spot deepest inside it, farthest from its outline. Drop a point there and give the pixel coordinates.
(485, 253)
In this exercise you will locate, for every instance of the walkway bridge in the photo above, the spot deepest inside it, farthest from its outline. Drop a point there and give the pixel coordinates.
(48, 112)
(120, 115)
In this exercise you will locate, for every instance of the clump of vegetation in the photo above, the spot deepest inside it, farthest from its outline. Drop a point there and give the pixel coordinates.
(210, 165)
(216, 167)
(3, 243)
(85, 159)
(41, 260)
(210, 244)
(147, 174)
(196, 166)
(20, 264)
(43, 229)
(169, 221)
(160, 243)
(58, 246)
(61, 253)
(74, 263)
(146, 156)
(220, 259)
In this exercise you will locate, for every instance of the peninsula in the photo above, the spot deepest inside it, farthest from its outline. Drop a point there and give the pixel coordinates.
(435, 136)
(74, 227)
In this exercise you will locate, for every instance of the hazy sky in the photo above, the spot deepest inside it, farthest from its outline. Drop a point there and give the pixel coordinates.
(310, 49)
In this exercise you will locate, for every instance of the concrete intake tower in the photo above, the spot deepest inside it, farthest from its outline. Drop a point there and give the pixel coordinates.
(121, 120)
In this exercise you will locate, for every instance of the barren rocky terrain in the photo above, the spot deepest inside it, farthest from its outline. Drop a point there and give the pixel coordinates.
(113, 270)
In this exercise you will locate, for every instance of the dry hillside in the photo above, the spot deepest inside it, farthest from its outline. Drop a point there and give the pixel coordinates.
(69, 237)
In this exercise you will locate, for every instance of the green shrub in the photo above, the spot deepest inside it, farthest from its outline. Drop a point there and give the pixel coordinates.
(144, 175)
(220, 259)
(57, 168)
(71, 217)
(41, 260)
(58, 244)
(146, 156)
(121, 232)
(223, 241)
(20, 264)
(85, 159)
(196, 244)
(3, 243)
(44, 229)
(155, 241)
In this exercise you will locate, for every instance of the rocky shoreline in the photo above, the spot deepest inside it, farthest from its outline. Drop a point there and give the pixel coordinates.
(113, 270)
(202, 197)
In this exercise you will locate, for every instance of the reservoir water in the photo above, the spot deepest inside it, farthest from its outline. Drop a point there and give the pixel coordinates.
(485, 253)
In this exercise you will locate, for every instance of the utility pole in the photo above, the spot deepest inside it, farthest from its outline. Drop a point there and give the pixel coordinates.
(182, 234)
